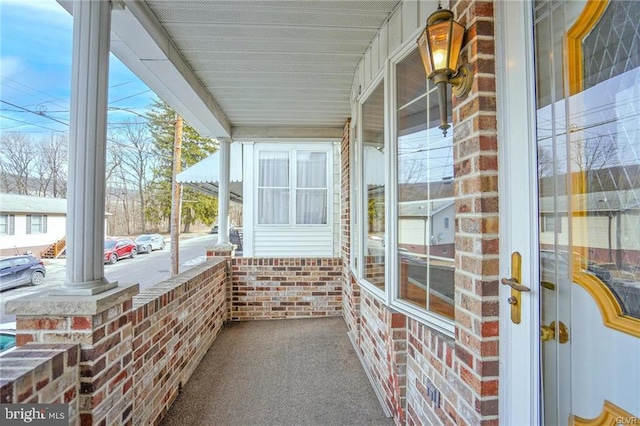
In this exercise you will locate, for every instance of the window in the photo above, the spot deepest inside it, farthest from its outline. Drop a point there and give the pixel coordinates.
(21, 261)
(273, 188)
(311, 190)
(36, 224)
(7, 224)
(373, 166)
(549, 223)
(425, 190)
(293, 194)
(355, 229)
(5, 264)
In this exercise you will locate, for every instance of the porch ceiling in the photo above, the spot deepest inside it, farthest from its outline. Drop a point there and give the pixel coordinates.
(275, 63)
(259, 65)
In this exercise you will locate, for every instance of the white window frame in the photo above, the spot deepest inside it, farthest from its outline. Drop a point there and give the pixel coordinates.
(354, 166)
(294, 185)
(381, 295)
(9, 220)
(390, 296)
(42, 226)
(432, 320)
(292, 149)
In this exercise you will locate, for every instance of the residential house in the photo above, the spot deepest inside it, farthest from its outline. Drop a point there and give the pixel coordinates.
(552, 83)
(29, 223)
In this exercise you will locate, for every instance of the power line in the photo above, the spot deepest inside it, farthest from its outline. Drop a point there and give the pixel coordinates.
(130, 96)
(31, 124)
(55, 99)
(34, 112)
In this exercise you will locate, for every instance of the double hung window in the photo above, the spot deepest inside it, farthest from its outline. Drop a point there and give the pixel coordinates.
(293, 187)
(373, 172)
(36, 224)
(7, 224)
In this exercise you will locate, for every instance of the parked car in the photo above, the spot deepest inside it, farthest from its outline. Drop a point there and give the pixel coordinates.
(19, 270)
(119, 248)
(7, 336)
(149, 242)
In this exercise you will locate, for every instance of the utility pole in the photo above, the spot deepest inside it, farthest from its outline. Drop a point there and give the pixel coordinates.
(175, 198)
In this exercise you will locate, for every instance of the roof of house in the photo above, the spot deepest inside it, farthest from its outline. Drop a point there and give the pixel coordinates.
(13, 203)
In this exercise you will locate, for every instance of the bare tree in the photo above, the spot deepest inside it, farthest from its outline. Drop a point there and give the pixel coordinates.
(139, 160)
(129, 172)
(545, 162)
(17, 157)
(593, 153)
(51, 166)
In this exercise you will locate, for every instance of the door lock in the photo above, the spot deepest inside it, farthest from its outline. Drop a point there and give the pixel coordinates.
(548, 332)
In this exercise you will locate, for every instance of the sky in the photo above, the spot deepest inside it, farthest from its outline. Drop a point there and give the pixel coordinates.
(35, 67)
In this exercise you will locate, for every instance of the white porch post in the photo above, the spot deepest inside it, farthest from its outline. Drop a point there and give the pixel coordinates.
(87, 148)
(223, 191)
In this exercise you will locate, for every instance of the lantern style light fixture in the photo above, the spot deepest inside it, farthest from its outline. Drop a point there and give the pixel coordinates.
(439, 45)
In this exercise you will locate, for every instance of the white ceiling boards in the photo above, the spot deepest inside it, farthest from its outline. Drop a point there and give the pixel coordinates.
(252, 64)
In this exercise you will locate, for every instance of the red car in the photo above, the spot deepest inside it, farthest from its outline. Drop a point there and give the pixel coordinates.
(118, 248)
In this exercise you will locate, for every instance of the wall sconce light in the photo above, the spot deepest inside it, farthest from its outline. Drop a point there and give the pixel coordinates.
(439, 45)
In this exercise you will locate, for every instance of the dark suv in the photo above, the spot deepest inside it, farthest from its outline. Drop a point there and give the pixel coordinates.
(19, 270)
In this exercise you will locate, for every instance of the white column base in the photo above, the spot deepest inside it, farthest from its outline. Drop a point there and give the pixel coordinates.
(84, 289)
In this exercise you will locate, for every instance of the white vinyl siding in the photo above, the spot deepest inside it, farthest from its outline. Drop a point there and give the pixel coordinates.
(316, 237)
(293, 242)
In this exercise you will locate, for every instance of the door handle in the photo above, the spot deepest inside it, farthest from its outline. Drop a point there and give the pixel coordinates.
(514, 284)
(548, 332)
(516, 287)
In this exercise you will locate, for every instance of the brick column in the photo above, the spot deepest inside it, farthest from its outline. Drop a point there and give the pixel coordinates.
(102, 326)
(227, 251)
(350, 288)
(476, 205)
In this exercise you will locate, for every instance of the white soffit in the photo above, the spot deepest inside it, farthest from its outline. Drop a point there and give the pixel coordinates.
(285, 67)
(275, 64)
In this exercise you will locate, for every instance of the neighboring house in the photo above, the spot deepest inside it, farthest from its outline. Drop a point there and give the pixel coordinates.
(427, 226)
(29, 223)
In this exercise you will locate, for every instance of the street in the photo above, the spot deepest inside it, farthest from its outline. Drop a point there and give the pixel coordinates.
(144, 269)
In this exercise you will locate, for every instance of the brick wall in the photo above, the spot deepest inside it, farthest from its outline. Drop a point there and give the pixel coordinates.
(465, 370)
(273, 288)
(449, 380)
(350, 287)
(174, 324)
(41, 374)
(105, 357)
(382, 344)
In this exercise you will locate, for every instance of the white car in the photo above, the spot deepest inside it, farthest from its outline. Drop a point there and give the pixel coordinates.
(148, 242)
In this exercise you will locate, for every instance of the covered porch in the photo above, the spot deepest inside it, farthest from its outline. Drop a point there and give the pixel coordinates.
(306, 73)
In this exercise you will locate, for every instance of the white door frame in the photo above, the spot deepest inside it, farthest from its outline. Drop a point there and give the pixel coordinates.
(517, 152)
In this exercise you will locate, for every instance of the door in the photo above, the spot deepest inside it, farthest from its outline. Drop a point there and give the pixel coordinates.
(7, 274)
(577, 347)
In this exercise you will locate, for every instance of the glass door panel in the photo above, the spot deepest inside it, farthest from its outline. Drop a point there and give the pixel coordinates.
(587, 57)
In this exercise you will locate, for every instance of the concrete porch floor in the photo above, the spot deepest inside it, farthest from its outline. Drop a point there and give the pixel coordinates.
(286, 372)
